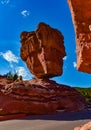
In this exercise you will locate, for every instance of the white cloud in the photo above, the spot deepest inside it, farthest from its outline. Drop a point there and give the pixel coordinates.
(21, 71)
(65, 58)
(9, 56)
(25, 13)
(5, 2)
(74, 64)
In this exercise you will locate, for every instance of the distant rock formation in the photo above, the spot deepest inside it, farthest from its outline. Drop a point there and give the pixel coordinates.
(81, 16)
(43, 51)
(39, 96)
(86, 126)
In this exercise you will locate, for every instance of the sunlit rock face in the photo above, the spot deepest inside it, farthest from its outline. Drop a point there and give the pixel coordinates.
(43, 51)
(81, 16)
(86, 126)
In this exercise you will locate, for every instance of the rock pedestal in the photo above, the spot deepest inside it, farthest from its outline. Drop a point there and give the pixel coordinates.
(81, 16)
(39, 96)
(43, 51)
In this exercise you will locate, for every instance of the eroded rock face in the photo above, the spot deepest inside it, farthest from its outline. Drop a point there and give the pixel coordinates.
(39, 96)
(86, 126)
(4, 81)
(81, 16)
(43, 51)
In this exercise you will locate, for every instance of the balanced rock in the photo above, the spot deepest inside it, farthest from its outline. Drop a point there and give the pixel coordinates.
(43, 51)
(39, 96)
(86, 126)
(81, 16)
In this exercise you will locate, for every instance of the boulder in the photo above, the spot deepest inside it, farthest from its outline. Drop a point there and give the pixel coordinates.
(86, 126)
(39, 96)
(43, 51)
(81, 16)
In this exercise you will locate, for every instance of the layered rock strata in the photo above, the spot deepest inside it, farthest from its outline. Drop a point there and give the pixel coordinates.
(43, 51)
(39, 96)
(81, 16)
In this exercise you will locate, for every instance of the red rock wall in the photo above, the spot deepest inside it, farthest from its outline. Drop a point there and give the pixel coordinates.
(81, 16)
(43, 51)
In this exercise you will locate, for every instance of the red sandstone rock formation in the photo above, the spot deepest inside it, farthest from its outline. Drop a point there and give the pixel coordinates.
(4, 81)
(81, 16)
(39, 96)
(43, 51)
(86, 126)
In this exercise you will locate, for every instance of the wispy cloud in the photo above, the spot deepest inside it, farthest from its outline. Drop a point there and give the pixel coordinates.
(25, 13)
(9, 56)
(5, 2)
(21, 71)
(65, 58)
(74, 64)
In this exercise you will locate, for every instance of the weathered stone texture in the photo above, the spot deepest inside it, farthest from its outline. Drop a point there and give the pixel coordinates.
(43, 51)
(39, 96)
(4, 81)
(81, 16)
(86, 126)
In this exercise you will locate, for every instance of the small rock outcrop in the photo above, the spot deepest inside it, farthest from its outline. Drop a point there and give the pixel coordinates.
(81, 16)
(43, 51)
(39, 96)
(86, 126)
(4, 81)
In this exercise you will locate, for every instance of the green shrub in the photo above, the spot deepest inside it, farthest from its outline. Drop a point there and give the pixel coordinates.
(85, 92)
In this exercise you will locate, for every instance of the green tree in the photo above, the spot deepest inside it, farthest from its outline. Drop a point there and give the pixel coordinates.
(15, 76)
(9, 75)
(20, 77)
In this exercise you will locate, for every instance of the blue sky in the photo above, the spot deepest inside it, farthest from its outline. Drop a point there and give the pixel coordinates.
(24, 15)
